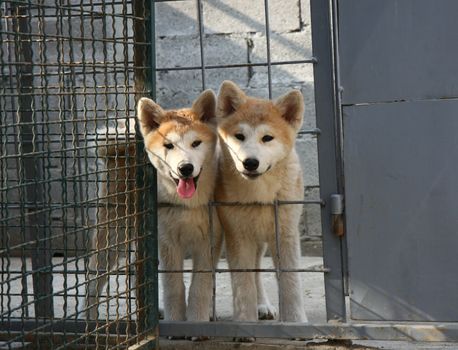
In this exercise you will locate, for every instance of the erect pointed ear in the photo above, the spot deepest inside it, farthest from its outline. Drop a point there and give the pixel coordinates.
(149, 113)
(205, 106)
(230, 98)
(291, 107)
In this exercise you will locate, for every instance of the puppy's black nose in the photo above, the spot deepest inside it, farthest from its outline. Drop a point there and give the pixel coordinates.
(251, 164)
(185, 169)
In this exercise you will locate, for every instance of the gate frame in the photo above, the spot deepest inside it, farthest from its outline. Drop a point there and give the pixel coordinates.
(324, 23)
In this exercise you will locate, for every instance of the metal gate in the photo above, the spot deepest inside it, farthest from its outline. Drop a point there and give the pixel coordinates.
(377, 89)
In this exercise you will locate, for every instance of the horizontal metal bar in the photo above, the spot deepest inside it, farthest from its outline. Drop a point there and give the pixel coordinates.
(102, 300)
(430, 332)
(81, 272)
(311, 269)
(280, 202)
(98, 14)
(315, 131)
(238, 65)
(78, 5)
(61, 325)
(131, 272)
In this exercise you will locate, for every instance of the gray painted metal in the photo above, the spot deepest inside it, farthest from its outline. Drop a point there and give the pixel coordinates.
(398, 49)
(325, 107)
(380, 331)
(400, 167)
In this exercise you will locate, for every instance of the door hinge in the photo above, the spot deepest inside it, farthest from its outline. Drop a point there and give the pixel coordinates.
(337, 209)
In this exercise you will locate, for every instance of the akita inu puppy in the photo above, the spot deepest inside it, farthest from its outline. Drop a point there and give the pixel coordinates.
(109, 244)
(181, 144)
(259, 164)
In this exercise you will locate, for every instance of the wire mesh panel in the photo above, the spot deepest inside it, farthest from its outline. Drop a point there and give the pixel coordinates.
(74, 190)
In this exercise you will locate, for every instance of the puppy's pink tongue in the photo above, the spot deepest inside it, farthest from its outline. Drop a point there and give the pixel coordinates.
(186, 188)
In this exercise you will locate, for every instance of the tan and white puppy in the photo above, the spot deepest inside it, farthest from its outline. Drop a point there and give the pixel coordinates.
(181, 144)
(117, 194)
(260, 165)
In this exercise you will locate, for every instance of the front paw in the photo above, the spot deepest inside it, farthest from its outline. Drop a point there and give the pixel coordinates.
(199, 338)
(266, 312)
(175, 337)
(245, 339)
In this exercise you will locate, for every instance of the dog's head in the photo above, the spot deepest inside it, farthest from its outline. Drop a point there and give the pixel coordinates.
(258, 133)
(178, 142)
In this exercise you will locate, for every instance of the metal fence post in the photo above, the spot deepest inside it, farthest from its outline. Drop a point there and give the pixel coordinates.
(31, 165)
(328, 152)
(147, 279)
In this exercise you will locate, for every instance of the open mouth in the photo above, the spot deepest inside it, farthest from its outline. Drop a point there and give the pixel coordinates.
(186, 187)
(251, 176)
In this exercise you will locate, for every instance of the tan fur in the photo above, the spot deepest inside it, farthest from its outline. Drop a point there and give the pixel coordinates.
(115, 215)
(248, 228)
(184, 228)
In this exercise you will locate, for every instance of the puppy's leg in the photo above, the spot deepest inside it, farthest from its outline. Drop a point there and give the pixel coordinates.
(241, 254)
(266, 311)
(95, 285)
(174, 290)
(101, 262)
(200, 291)
(292, 304)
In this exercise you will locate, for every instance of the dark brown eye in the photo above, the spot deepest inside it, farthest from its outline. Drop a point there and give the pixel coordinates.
(267, 138)
(168, 145)
(196, 143)
(240, 137)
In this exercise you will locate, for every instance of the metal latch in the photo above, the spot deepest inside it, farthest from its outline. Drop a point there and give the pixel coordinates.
(337, 208)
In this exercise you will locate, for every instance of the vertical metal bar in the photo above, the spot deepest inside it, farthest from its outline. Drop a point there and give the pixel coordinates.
(45, 115)
(212, 257)
(5, 290)
(98, 213)
(339, 133)
(78, 182)
(117, 180)
(62, 114)
(277, 247)
(144, 55)
(269, 68)
(24, 239)
(41, 258)
(128, 185)
(201, 33)
(109, 182)
(86, 238)
(76, 165)
(325, 106)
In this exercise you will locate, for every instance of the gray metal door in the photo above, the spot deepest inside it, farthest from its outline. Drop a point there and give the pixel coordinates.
(398, 70)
